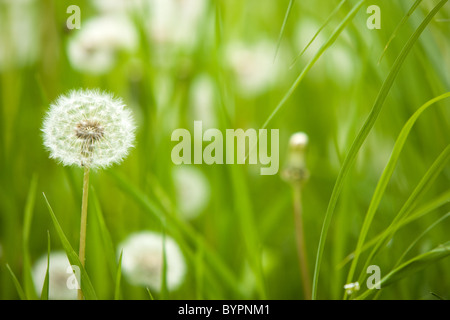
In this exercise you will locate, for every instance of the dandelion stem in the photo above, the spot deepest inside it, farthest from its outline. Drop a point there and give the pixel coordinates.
(84, 205)
(301, 249)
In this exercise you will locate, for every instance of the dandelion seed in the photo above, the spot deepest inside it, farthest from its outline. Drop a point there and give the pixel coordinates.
(142, 260)
(88, 128)
(60, 275)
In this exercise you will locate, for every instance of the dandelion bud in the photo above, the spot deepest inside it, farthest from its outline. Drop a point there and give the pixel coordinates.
(295, 168)
(142, 260)
(88, 128)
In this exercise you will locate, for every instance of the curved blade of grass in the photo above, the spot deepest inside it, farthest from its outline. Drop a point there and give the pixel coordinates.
(164, 292)
(424, 184)
(105, 235)
(28, 217)
(434, 224)
(283, 26)
(385, 178)
(327, 21)
(46, 286)
(19, 288)
(150, 294)
(247, 224)
(85, 282)
(314, 59)
(402, 22)
(117, 291)
(411, 266)
(361, 137)
(175, 223)
(418, 213)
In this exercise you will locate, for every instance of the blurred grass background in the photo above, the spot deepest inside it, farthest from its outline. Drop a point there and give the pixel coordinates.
(220, 65)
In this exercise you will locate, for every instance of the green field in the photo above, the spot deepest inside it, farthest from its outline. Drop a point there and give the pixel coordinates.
(374, 103)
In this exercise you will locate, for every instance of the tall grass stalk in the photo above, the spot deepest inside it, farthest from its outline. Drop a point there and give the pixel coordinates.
(300, 237)
(84, 206)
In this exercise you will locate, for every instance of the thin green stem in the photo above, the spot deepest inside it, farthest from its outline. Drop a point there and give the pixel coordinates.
(84, 205)
(300, 237)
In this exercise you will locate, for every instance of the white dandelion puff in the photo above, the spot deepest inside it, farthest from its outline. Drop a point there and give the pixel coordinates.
(192, 191)
(94, 48)
(142, 260)
(253, 66)
(89, 129)
(61, 277)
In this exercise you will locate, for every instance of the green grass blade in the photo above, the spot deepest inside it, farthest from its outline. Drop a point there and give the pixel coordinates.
(105, 235)
(416, 214)
(85, 282)
(434, 224)
(28, 217)
(173, 222)
(117, 291)
(411, 266)
(361, 137)
(314, 59)
(283, 26)
(19, 288)
(425, 183)
(164, 291)
(385, 178)
(327, 21)
(150, 294)
(246, 220)
(46, 286)
(402, 22)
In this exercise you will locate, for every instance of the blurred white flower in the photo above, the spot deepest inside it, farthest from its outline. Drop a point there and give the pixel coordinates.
(142, 260)
(176, 22)
(94, 48)
(203, 101)
(19, 33)
(61, 277)
(253, 66)
(192, 190)
(351, 287)
(119, 6)
(338, 63)
(88, 128)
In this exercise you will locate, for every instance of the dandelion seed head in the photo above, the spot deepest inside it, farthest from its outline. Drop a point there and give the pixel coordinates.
(192, 190)
(88, 128)
(59, 274)
(253, 66)
(142, 260)
(94, 48)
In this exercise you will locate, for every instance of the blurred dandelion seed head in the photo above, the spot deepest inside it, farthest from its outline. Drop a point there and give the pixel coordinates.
(88, 128)
(142, 260)
(58, 276)
(253, 66)
(94, 48)
(192, 190)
